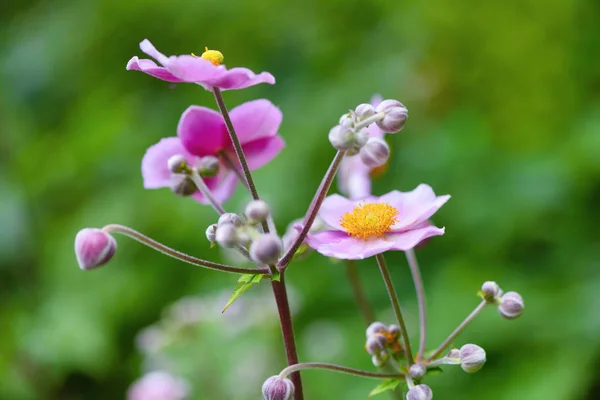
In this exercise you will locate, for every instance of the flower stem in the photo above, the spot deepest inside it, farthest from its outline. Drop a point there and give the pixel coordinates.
(458, 330)
(313, 209)
(225, 157)
(373, 118)
(385, 273)
(359, 293)
(287, 330)
(418, 281)
(201, 185)
(179, 255)
(337, 368)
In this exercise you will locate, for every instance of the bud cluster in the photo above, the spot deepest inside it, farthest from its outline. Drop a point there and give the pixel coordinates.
(381, 339)
(510, 304)
(181, 182)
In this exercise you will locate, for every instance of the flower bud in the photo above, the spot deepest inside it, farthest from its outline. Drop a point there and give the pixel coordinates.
(183, 185)
(393, 331)
(379, 360)
(177, 164)
(208, 166)
(341, 137)
(257, 211)
(417, 371)
(491, 292)
(419, 392)
(472, 358)
(376, 344)
(454, 353)
(395, 116)
(276, 388)
(364, 111)
(375, 152)
(347, 120)
(94, 248)
(511, 305)
(211, 233)
(226, 235)
(230, 219)
(376, 327)
(266, 249)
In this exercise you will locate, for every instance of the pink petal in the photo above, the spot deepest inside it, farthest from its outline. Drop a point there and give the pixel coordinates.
(150, 67)
(221, 186)
(260, 152)
(415, 206)
(194, 69)
(339, 245)
(255, 120)
(239, 78)
(154, 164)
(202, 131)
(409, 239)
(333, 208)
(149, 49)
(353, 178)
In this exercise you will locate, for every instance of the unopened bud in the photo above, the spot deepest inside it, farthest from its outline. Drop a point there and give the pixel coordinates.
(395, 116)
(417, 371)
(376, 344)
(341, 137)
(257, 211)
(511, 305)
(211, 233)
(491, 292)
(347, 120)
(94, 248)
(375, 152)
(419, 392)
(454, 353)
(183, 185)
(360, 139)
(379, 360)
(276, 388)
(266, 249)
(376, 327)
(230, 219)
(226, 236)
(177, 164)
(364, 111)
(208, 166)
(472, 358)
(393, 330)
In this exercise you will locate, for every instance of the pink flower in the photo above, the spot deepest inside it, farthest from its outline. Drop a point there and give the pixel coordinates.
(203, 71)
(158, 385)
(354, 177)
(363, 228)
(202, 132)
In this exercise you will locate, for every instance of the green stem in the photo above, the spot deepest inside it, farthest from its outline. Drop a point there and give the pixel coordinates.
(201, 185)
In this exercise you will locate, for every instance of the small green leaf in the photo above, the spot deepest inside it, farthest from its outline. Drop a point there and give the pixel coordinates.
(244, 283)
(300, 250)
(384, 386)
(434, 370)
(276, 276)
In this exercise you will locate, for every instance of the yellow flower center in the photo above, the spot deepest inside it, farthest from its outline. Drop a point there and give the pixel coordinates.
(369, 219)
(214, 56)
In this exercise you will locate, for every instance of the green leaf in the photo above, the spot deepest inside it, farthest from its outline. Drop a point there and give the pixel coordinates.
(244, 283)
(434, 370)
(384, 386)
(300, 250)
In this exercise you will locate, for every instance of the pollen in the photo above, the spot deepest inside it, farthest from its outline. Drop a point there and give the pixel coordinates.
(369, 220)
(214, 56)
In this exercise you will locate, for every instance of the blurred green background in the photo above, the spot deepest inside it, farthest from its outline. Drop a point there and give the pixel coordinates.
(504, 116)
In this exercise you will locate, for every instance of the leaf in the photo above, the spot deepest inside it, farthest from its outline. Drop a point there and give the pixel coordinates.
(244, 283)
(384, 386)
(434, 370)
(301, 250)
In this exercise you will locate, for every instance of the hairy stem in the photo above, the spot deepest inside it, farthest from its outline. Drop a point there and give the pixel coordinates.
(313, 209)
(201, 185)
(458, 330)
(179, 255)
(225, 157)
(387, 279)
(418, 281)
(337, 368)
(359, 293)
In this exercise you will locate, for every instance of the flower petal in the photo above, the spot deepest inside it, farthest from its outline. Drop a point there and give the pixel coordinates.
(222, 186)
(256, 120)
(194, 69)
(150, 67)
(409, 239)
(333, 208)
(260, 152)
(202, 131)
(239, 78)
(415, 206)
(338, 244)
(149, 49)
(154, 164)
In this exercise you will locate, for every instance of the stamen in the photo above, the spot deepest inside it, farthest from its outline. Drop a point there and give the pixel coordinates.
(214, 56)
(369, 220)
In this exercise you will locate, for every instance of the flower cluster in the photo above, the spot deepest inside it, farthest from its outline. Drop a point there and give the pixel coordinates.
(213, 151)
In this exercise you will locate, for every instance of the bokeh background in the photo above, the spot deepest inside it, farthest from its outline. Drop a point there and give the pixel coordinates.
(504, 116)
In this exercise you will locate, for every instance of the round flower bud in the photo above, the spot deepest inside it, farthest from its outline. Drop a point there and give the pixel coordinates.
(177, 164)
(211, 233)
(376, 344)
(376, 327)
(266, 249)
(94, 248)
(419, 392)
(230, 219)
(183, 185)
(276, 388)
(375, 152)
(417, 371)
(395, 116)
(341, 137)
(364, 111)
(454, 353)
(491, 291)
(472, 358)
(257, 211)
(208, 166)
(393, 330)
(226, 235)
(511, 305)
(347, 120)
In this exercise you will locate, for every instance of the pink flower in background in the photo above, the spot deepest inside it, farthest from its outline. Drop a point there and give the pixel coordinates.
(158, 385)
(354, 177)
(363, 228)
(205, 70)
(202, 132)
